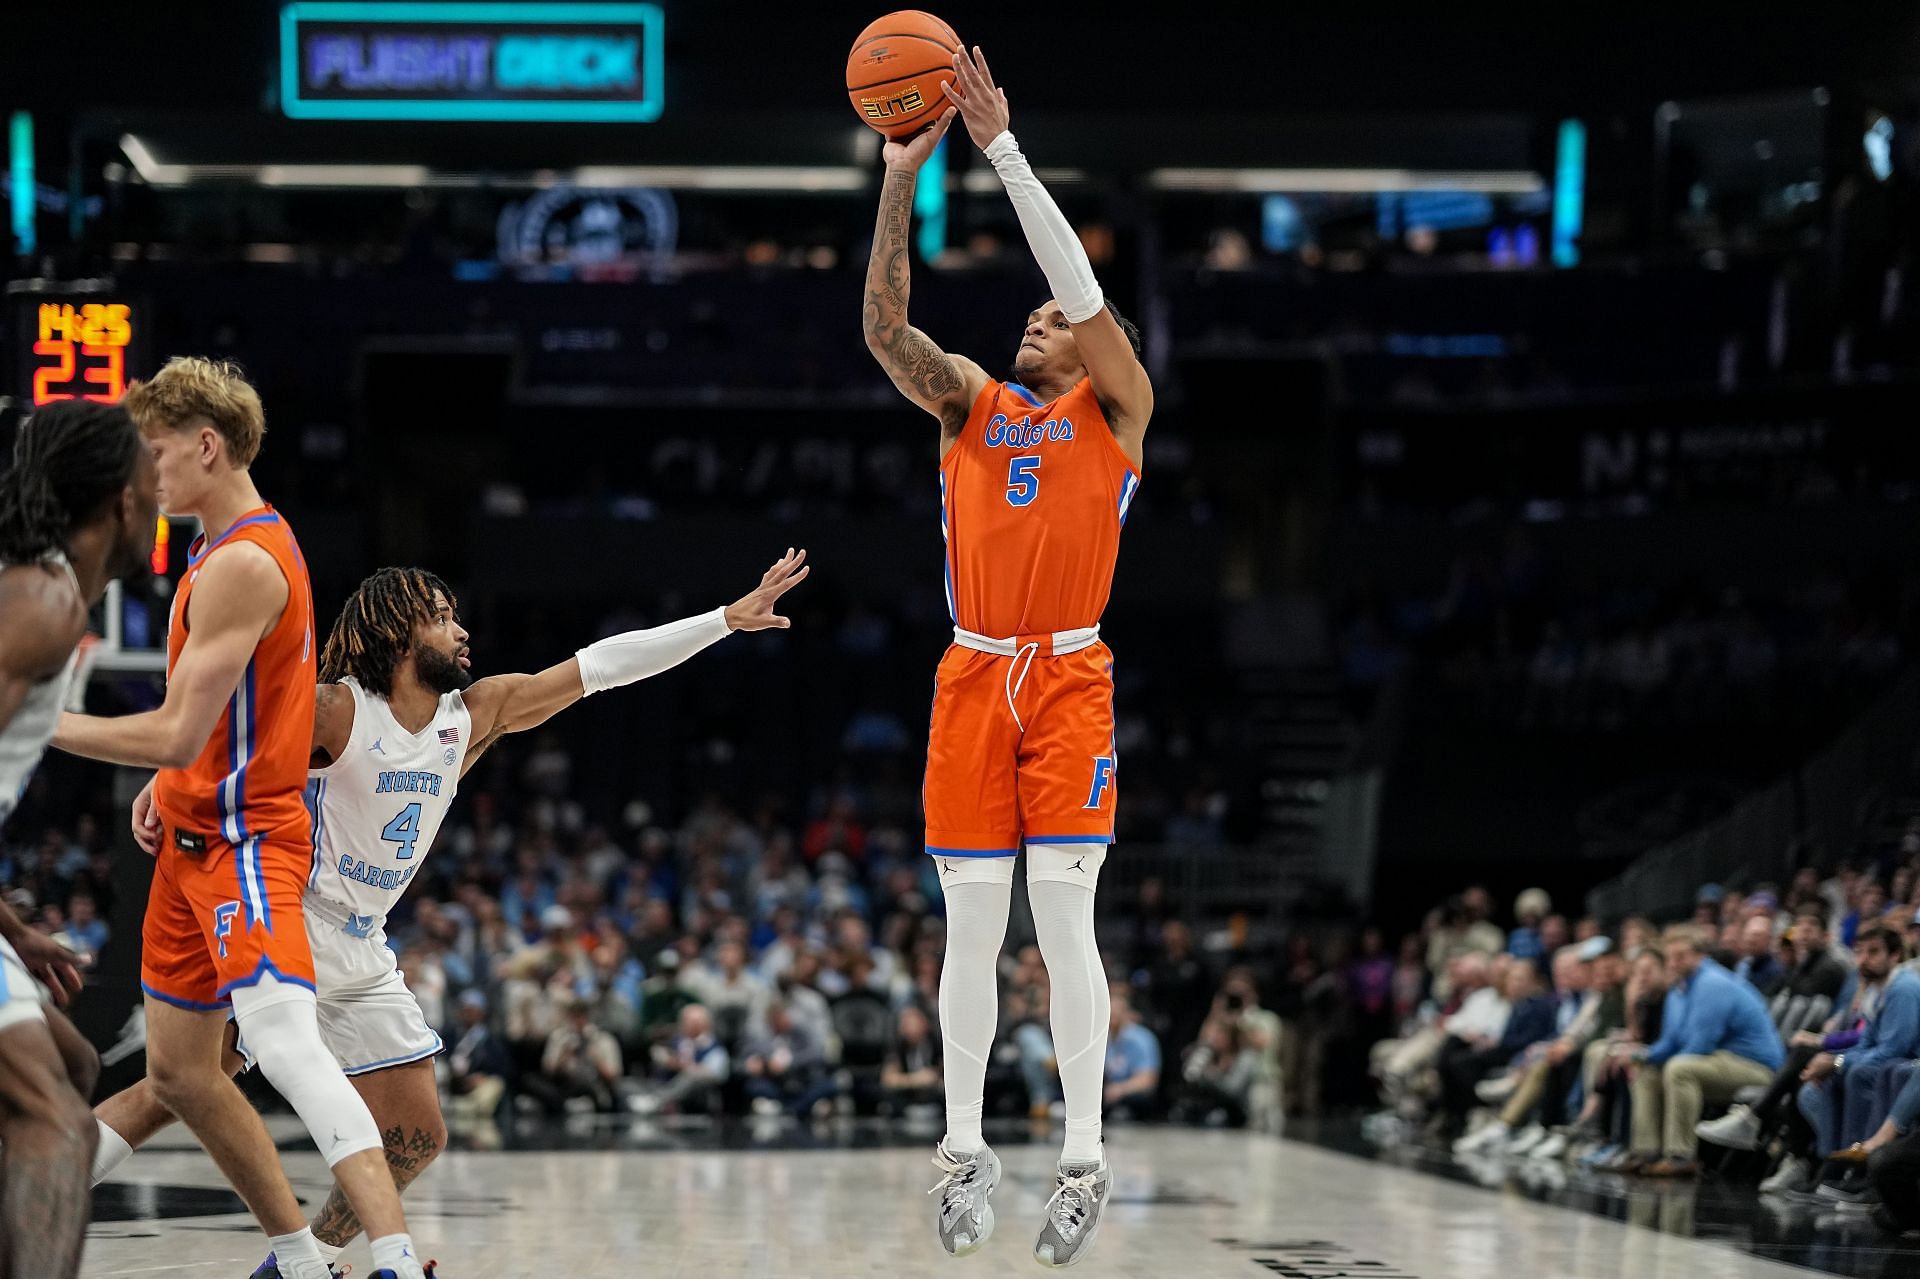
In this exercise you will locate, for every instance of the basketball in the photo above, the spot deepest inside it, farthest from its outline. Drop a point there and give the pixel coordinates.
(898, 71)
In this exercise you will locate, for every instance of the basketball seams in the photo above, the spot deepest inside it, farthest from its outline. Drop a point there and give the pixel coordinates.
(852, 88)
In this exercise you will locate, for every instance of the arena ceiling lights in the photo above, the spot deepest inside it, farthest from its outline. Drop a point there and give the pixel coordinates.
(688, 177)
(742, 178)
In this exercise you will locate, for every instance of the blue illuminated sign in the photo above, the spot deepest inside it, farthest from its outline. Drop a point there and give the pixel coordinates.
(1569, 192)
(484, 61)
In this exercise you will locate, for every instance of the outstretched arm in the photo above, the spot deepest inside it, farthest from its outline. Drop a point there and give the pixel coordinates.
(1119, 379)
(944, 385)
(237, 599)
(502, 704)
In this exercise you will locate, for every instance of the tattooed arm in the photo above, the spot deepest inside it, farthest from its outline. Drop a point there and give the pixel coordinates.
(944, 385)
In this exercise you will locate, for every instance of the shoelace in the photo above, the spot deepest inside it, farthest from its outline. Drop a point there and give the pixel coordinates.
(1075, 1198)
(957, 1182)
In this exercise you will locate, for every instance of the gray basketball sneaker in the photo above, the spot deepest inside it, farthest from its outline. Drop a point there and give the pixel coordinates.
(1073, 1214)
(966, 1218)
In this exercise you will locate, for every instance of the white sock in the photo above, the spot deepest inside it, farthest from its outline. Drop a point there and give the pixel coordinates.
(970, 996)
(112, 1152)
(395, 1253)
(328, 1253)
(298, 1256)
(1063, 921)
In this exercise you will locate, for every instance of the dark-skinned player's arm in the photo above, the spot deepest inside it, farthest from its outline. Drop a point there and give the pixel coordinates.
(332, 726)
(1119, 379)
(944, 385)
(40, 621)
(237, 599)
(502, 704)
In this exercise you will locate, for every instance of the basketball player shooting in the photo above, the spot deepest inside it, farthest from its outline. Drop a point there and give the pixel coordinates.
(77, 510)
(400, 720)
(1036, 474)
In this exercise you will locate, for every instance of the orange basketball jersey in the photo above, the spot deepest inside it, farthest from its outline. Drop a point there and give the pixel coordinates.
(250, 779)
(1032, 499)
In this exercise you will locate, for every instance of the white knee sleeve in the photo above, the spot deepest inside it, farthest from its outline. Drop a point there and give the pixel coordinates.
(1065, 864)
(282, 1031)
(1060, 884)
(979, 893)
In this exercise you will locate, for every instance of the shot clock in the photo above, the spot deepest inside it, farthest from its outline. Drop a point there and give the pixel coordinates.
(81, 342)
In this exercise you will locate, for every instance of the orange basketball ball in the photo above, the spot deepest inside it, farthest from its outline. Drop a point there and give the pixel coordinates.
(898, 72)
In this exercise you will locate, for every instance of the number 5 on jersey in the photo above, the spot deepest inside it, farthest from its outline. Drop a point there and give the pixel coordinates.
(1023, 480)
(403, 830)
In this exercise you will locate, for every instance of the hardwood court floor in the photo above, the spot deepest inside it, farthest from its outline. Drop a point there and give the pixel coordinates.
(641, 1201)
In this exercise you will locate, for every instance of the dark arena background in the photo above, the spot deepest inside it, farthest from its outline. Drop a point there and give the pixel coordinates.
(1527, 560)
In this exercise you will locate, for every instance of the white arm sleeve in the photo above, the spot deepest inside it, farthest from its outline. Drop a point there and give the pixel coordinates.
(1062, 258)
(624, 659)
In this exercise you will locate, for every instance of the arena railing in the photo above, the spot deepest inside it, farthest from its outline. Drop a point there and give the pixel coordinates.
(1823, 806)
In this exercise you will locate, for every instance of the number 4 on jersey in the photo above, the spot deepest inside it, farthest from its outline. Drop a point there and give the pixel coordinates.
(403, 830)
(1023, 480)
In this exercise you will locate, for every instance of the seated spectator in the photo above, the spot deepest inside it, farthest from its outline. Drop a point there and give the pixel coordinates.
(1590, 1005)
(1529, 909)
(1841, 1088)
(86, 933)
(786, 1067)
(734, 994)
(796, 988)
(1603, 1126)
(532, 995)
(1260, 1034)
(478, 1068)
(1403, 1066)
(1752, 1128)
(1815, 979)
(691, 1068)
(1133, 1060)
(581, 1063)
(1717, 1039)
(1467, 1059)
(1216, 1076)
(1757, 965)
(911, 1075)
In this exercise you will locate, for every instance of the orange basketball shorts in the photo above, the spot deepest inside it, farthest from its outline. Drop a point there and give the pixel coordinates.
(1021, 750)
(222, 916)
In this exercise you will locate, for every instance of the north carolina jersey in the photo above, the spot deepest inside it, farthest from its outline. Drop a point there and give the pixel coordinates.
(378, 806)
(248, 781)
(25, 738)
(1033, 497)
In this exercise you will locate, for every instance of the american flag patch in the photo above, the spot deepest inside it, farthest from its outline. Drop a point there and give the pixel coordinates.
(450, 735)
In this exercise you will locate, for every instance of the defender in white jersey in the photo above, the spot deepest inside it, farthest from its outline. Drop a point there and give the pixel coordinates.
(398, 721)
(77, 509)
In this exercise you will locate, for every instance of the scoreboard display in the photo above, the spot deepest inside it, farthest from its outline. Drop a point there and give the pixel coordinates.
(70, 345)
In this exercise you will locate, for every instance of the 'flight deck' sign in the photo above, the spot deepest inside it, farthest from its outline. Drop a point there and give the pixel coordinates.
(481, 61)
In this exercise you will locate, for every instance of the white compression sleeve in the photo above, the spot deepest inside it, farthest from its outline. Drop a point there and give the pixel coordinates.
(977, 909)
(282, 1030)
(625, 659)
(1062, 258)
(1061, 879)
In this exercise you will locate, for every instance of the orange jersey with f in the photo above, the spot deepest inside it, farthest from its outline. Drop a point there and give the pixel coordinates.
(1033, 497)
(249, 781)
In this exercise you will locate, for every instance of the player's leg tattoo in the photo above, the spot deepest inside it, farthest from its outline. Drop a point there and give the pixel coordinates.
(408, 1155)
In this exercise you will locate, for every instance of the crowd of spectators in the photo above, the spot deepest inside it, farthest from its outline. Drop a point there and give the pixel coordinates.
(1781, 1025)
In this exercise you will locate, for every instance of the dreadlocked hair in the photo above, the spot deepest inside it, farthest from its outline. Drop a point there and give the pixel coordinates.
(375, 627)
(70, 460)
